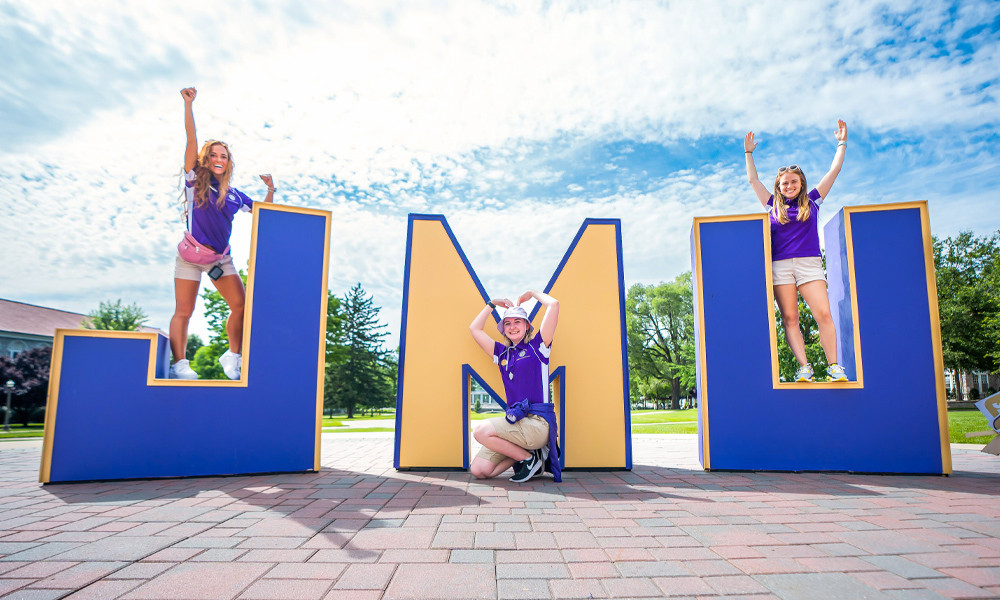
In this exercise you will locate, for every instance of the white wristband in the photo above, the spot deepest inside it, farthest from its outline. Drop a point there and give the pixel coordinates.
(841, 144)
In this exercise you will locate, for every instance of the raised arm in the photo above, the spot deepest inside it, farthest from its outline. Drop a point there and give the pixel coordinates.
(551, 318)
(758, 188)
(266, 178)
(476, 326)
(191, 150)
(838, 160)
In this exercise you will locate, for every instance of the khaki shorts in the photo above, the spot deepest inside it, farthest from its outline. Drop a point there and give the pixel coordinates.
(530, 433)
(188, 270)
(797, 270)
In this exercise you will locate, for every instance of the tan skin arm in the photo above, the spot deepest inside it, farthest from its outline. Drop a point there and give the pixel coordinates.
(266, 178)
(191, 149)
(758, 188)
(548, 327)
(476, 327)
(838, 160)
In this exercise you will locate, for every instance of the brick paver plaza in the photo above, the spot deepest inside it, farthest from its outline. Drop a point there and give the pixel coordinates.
(360, 529)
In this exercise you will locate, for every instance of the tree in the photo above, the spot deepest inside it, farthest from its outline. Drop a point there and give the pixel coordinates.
(360, 380)
(660, 325)
(336, 352)
(30, 372)
(116, 316)
(193, 344)
(967, 271)
(787, 365)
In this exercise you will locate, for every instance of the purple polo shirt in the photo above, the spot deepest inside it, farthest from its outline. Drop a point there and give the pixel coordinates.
(209, 224)
(524, 369)
(796, 239)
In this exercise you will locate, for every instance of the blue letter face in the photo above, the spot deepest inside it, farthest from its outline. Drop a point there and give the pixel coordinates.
(438, 357)
(111, 415)
(891, 416)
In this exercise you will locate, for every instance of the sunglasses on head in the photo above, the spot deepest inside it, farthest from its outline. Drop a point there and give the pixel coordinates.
(790, 168)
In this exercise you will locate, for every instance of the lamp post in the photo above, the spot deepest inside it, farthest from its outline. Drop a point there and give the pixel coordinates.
(6, 414)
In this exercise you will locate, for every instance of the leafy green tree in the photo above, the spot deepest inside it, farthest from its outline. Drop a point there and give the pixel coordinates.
(660, 325)
(116, 316)
(193, 344)
(361, 380)
(968, 282)
(787, 365)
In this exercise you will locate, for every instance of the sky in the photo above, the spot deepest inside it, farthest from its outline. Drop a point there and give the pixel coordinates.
(515, 120)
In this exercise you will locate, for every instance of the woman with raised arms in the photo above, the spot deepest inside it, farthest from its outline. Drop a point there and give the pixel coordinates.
(796, 260)
(525, 437)
(211, 203)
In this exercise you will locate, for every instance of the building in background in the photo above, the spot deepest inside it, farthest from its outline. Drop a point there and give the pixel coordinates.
(26, 326)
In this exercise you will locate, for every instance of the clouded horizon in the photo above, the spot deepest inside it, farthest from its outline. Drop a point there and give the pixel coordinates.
(516, 120)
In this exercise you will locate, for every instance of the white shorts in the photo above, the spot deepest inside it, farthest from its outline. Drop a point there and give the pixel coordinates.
(797, 270)
(192, 271)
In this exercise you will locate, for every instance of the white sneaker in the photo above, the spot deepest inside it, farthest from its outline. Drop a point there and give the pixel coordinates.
(231, 364)
(182, 370)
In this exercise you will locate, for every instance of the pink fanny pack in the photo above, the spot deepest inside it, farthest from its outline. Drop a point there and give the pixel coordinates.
(194, 251)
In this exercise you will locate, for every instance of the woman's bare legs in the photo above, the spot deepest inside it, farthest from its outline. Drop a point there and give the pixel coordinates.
(816, 297)
(185, 296)
(788, 305)
(232, 291)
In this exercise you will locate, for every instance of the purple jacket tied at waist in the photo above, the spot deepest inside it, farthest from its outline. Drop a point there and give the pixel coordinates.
(519, 410)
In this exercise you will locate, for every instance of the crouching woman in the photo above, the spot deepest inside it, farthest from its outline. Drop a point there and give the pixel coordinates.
(525, 438)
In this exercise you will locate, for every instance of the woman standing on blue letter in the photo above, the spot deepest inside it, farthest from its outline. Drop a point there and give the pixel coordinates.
(797, 263)
(526, 437)
(211, 203)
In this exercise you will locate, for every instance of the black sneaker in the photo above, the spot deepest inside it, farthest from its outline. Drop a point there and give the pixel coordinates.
(527, 469)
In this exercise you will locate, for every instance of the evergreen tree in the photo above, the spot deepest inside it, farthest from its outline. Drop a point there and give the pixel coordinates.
(336, 352)
(360, 380)
(116, 316)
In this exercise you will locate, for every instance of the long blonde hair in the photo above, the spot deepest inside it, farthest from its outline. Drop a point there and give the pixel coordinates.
(203, 176)
(779, 209)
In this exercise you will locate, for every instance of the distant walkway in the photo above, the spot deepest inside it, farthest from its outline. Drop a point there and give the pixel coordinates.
(360, 529)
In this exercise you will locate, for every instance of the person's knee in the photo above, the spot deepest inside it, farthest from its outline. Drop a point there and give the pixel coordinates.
(823, 316)
(183, 310)
(479, 471)
(236, 307)
(481, 432)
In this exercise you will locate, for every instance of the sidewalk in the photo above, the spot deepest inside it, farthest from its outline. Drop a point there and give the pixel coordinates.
(360, 530)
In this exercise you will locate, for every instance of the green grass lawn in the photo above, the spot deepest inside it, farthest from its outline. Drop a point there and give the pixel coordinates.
(962, 421)
(662, 416)
(17, 431)
(391, 414)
